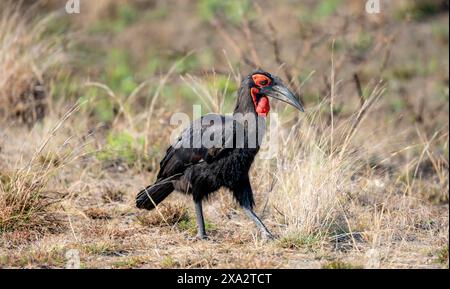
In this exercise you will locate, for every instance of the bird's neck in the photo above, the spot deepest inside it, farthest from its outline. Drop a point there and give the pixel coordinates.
(245, 102)
(246, 114)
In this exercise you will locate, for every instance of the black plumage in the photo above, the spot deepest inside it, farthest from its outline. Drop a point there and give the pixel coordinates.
(201, 169)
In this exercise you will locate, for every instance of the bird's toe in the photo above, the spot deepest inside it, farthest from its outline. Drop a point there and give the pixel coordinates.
(198, 238)
(202, 237)
(268, 237)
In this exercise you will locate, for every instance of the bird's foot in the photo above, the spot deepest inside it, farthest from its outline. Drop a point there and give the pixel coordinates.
(202, 237)
(267, 236)
(198, 237)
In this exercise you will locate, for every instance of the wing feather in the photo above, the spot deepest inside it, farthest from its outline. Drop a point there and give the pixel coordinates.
(182, 154)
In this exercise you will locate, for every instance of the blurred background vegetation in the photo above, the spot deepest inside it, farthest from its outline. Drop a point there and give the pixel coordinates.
(124, 43)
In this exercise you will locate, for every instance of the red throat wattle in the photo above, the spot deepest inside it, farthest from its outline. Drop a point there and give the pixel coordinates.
(262, 106)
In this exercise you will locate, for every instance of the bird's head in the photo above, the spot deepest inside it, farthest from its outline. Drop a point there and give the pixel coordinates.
(263, 85)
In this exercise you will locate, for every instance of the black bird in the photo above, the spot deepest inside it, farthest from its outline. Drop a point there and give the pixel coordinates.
(203, 167)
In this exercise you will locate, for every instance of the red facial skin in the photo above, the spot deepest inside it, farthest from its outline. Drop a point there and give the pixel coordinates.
(262, 107)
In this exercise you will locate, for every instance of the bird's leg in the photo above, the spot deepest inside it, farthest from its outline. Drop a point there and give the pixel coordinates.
(200, 221)
(265, 232)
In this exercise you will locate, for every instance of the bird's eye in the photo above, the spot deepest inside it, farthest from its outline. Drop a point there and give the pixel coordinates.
(261, 80)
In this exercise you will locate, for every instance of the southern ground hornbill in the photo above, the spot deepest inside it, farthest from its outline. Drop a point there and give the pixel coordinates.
(200, 165)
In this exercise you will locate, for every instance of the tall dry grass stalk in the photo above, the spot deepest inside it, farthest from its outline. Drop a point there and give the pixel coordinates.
(315, 167)
(22, 202)
(27, 53)
(209, 94)
(27, 192)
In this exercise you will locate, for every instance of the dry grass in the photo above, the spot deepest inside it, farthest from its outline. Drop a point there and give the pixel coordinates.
(310, 178)
(166, 215)
(28, 195)
(23, 203)
(26, 56)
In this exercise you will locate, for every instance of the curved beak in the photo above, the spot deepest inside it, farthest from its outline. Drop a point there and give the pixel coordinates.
(281, 92)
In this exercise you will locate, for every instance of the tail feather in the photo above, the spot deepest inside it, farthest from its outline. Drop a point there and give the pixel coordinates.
(153, 195)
